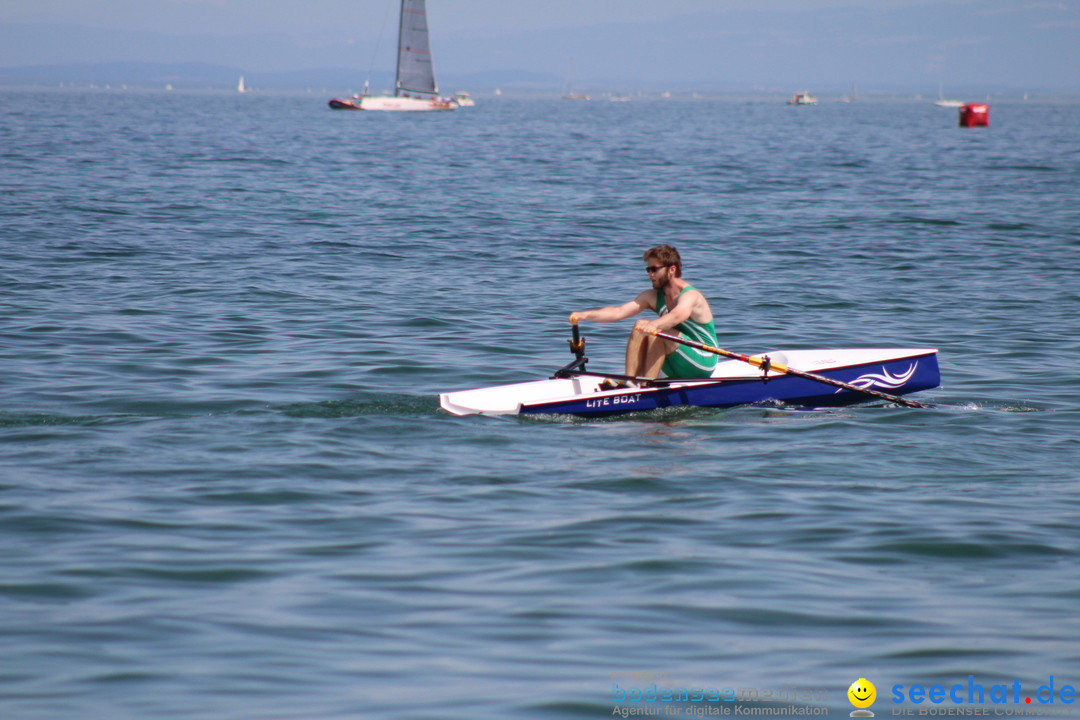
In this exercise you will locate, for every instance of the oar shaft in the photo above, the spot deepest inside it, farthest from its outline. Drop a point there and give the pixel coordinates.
(760, 361)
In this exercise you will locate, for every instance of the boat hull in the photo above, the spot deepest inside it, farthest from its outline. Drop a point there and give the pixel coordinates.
(394, 104)
(895, 371)
(405, 104)
(336, 104)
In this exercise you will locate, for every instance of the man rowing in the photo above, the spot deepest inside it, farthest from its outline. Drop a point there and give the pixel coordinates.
(679, 307)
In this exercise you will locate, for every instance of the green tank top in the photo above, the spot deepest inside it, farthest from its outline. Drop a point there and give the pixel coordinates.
(688, 362)
(699, 332)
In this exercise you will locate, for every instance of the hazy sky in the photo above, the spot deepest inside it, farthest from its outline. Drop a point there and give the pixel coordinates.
(337, 19)
(991, 44)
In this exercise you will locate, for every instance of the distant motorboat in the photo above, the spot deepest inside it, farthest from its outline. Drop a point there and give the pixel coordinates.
(463, 99)
(352, 103)
(802, 98)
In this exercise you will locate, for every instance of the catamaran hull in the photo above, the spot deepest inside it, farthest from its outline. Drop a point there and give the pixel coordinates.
(394, 104)
(405, 104)
(897, 372)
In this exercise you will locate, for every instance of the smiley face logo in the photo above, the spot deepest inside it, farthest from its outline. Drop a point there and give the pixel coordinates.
(862, 693)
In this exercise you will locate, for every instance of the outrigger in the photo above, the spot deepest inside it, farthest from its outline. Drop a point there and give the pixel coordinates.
(824, 378)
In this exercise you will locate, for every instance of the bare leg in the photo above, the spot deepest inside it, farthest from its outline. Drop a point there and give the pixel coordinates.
(656, 353)
(645, 354)
(635, 352)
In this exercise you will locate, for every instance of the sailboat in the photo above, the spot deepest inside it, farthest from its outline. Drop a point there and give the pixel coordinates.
(414, 85)
(240, 86)
(570, 94)
(942, 102)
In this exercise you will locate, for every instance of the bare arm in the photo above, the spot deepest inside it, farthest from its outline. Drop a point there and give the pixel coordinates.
(614, 313)
(682, 311)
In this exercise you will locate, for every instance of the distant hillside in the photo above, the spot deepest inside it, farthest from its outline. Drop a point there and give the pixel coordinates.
(123, 73)
(202, 76)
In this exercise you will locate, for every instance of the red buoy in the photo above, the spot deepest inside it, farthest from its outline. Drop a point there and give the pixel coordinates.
(975, 115)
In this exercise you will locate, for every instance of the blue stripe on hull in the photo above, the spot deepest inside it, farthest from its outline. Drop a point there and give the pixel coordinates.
(897, 377)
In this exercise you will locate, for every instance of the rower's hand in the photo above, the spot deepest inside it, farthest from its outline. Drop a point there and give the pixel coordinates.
(647, 327)
(575, 318)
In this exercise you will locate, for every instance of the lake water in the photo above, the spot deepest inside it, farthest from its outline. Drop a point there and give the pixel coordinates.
(227, 490)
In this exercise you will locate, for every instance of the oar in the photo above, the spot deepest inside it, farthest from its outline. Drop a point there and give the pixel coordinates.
(766, 364)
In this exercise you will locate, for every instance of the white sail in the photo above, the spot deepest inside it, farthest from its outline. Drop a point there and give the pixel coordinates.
(415, 71)
(240, 86)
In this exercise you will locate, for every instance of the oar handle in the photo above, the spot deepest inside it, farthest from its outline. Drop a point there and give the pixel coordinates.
(577, 343)
(761, 361)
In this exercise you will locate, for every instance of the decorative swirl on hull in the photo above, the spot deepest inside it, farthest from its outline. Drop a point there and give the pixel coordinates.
(884, 379)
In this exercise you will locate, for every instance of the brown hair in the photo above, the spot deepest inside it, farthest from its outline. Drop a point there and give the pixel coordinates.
(665, 255)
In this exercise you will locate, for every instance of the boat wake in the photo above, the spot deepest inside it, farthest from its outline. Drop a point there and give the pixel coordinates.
(364, 404)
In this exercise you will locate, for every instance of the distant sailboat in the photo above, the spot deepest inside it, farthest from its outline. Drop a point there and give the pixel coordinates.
(570, 94)
(240, 86)
(942, 102)
(414, 85)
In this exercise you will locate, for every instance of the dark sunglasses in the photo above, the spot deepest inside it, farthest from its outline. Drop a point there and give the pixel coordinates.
(654, 268)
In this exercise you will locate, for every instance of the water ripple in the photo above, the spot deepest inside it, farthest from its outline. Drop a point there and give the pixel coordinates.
(226, 488)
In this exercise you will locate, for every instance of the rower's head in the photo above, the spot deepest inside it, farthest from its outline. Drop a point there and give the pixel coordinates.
(664, 256)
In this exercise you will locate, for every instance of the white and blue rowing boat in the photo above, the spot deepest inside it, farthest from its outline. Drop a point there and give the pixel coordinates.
(824, 378)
